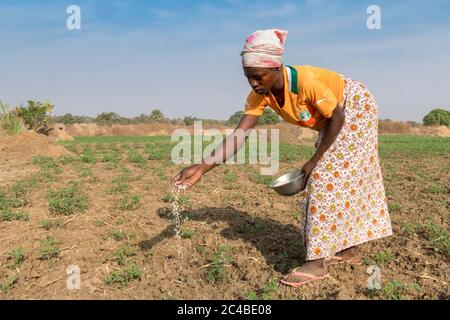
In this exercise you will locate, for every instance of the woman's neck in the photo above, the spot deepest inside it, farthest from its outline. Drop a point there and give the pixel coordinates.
(279, 85)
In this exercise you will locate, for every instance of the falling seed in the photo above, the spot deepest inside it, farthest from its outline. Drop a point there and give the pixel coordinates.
(177, 218)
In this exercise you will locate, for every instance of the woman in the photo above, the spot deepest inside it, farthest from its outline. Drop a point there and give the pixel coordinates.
(343, 202)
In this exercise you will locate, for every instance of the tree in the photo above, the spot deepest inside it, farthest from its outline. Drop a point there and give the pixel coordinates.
(107, 118)
(235, 118)
(189, 120)
(437, 117)
(156, 116)
(269, 117)
(35, 114)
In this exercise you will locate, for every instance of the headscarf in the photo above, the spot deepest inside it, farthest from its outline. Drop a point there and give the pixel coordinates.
(264, 48)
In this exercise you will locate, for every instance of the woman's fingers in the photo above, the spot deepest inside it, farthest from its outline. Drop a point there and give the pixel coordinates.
(187, 177)
(187, 184)
(176, 178)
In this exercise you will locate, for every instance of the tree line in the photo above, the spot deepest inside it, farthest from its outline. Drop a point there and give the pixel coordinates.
(157, 116)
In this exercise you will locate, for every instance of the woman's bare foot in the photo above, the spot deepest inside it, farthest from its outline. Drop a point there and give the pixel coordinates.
(350, 255)
(310, 271)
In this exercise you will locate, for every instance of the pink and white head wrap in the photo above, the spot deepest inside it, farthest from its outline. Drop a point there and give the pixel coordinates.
(264, 48)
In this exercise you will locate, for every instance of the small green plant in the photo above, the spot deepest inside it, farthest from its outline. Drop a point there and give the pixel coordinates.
(129, 203)
(118, 188)
(85, 172)
(17, 256)
(17, 202)
(9, 215)
(409, 228)
(265, 180)
(88, 156)
(136, 157)
(123, 253)
(229, 176)
(118, 235)
(296, 215)
(252, 295)
(49, 248)
(269, 289)
(384, 257)
(67, 201)
(155, 152)
(217, 272)
(393, 207)
(436, 189)
(45, 162)
(200, 249)
(187, 234)
(167, 197)
(50, 224)
(393, 290)
(439, 237)
(124, 177)
(112, 157)
(122, 278)
(415, 286)
(64, 160)
(126, 146)
(72, 148)
(6, 287)
(47, 176)
(4, 203)
(120, 221)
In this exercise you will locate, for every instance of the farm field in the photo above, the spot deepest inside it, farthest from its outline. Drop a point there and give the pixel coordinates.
(107, 210)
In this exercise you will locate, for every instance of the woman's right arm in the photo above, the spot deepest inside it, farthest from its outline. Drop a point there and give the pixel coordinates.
(228, 148)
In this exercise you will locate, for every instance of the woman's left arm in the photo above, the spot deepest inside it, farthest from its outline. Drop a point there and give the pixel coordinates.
(331, 132)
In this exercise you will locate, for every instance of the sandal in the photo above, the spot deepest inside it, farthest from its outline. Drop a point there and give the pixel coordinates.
(310, 277)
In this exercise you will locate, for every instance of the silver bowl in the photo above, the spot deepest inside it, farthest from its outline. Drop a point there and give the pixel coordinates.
(288, 184)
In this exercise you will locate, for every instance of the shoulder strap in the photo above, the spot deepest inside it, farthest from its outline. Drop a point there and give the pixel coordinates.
(293, 79)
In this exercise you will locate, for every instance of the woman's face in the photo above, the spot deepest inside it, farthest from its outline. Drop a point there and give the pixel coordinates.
(261, 79)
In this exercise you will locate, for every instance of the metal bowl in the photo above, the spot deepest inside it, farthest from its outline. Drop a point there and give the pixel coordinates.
(288, 184)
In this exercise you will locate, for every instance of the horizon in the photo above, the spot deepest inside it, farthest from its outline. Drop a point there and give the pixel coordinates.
(134, 57)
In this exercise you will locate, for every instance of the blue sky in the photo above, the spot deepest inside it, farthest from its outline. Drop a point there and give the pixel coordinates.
(183, 56)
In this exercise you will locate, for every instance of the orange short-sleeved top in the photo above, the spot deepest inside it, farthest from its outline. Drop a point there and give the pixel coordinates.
(310, 96)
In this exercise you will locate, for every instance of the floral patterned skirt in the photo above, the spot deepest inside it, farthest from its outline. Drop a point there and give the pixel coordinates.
(344, 202)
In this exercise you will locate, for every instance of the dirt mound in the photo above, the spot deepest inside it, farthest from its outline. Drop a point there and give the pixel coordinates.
(288, 133)
(59, 133)
(441, 131)
(30, 144)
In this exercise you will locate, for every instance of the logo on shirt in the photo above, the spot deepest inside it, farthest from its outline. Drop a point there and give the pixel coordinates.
(305, 115)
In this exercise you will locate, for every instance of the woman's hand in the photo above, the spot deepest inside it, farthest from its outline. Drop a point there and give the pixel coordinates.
(307, 169)
(189, 176)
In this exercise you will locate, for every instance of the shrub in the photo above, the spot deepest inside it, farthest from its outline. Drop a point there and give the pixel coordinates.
(269, 117)
(9, 122)
(34, 115)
